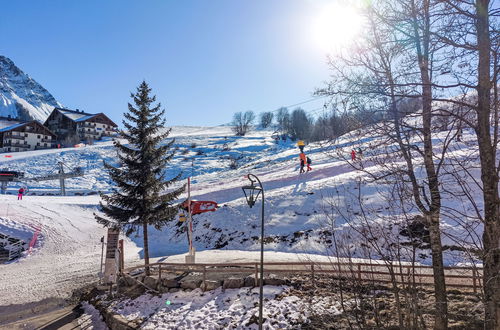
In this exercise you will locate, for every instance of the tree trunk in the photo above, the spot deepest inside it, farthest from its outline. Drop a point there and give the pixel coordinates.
(489, 176)
(146, 248)
(422, 44)
(441, 318)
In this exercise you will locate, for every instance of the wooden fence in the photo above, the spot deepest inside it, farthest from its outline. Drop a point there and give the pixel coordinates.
(456, 277)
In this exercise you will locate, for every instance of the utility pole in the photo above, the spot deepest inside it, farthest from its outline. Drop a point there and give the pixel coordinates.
(61, 179)
(190, 258)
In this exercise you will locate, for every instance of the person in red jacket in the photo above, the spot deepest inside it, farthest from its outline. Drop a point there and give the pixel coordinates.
(20, 193)
(353, 155)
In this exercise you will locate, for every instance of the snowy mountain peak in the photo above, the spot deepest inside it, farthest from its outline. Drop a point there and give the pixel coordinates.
(21, 96)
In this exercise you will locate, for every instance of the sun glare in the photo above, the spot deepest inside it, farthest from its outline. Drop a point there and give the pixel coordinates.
(336, 26)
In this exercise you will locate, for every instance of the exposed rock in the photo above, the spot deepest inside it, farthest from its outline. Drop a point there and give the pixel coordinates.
(249, 281)
(162, 289)
(233, 283)
(170, 283)
(190, 284)
(212, 285)
(134, 291)
(150, 282)
(174, 290)
(273, 280)
(129, 280)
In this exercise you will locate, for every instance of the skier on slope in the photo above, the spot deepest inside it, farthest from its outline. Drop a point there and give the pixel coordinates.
(20, 193)
(303, 160)
(353, 155)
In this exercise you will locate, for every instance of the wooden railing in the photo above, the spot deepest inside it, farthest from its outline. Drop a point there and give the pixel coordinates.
(456, 277)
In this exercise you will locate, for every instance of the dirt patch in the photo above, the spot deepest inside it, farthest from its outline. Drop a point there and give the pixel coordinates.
(369, 306)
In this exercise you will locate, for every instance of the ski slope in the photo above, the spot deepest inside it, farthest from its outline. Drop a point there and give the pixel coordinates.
(68, 252)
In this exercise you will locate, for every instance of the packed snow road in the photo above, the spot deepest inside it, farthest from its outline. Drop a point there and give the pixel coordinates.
(67, 254)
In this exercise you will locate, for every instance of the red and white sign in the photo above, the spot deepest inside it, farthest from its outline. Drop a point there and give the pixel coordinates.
(198, 207)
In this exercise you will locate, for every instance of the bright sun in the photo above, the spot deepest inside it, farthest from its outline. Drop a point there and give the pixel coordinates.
(336, 27)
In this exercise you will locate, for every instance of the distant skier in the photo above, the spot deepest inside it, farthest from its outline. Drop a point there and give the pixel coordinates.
(308, 164)
(360, 153)
(303, 160)
(20, 193)
(353, 155)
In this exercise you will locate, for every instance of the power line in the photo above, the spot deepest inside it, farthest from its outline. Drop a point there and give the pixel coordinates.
(300, 103)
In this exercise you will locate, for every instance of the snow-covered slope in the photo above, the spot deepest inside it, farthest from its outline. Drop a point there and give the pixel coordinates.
(298, 213)
(21, 96)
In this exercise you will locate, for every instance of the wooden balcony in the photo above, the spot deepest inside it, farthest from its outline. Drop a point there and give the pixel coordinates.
(17, 136)
(16, 145)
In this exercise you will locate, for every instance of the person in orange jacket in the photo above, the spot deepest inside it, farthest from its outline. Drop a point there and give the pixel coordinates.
(303, 161)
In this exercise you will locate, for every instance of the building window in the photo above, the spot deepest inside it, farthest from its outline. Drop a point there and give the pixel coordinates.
(38, 136)
(25, 134)
(25, 142)
(17, 149)
(45, 144)
(38, 143)
(8, 149)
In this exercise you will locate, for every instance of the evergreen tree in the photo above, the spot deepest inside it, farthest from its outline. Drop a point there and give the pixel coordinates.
(139, 198)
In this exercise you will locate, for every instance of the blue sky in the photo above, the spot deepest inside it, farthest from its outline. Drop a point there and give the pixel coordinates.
(204, 60)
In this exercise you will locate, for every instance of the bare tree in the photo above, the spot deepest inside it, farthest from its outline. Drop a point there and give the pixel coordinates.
(242, 122)
(300, 125)
(474, 41)
(391, 64)
(266, 119)
(283, 120)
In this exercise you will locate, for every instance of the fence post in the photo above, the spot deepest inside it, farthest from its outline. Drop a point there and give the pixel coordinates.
(474, 279)
(122, 257)
(159, 272)
(204, 278)
(256, 274)
(312, 273)
(359, 272)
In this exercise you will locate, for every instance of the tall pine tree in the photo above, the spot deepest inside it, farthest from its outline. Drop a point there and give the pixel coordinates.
(139, 198)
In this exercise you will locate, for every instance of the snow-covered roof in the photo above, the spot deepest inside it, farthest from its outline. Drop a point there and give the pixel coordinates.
(84, 118)
(11, 127)
(75, 115)
(80, 116)
(6, 124)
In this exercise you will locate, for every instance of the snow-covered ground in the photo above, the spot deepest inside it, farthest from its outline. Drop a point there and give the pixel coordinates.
(68, 252)
(224, 309)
